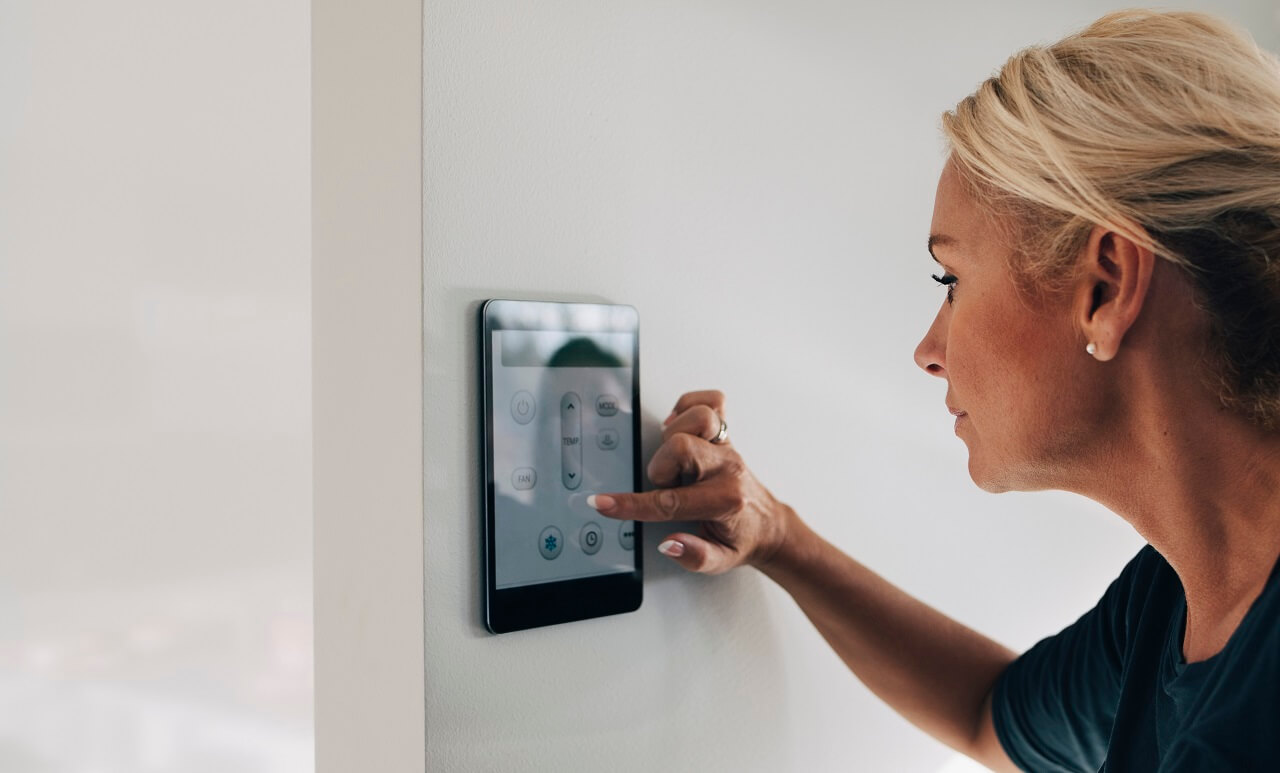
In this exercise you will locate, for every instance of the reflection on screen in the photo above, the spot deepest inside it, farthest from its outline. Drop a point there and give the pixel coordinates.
(562, 430)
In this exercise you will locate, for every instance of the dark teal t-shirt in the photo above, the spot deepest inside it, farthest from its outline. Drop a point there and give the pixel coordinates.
(1112, 693)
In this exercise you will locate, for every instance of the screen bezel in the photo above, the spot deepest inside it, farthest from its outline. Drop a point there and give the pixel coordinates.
(563, 601)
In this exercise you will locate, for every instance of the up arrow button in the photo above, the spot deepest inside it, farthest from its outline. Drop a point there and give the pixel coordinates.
(570, 441)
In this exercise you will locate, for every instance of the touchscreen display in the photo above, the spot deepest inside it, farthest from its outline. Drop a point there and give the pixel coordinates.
(562, 430)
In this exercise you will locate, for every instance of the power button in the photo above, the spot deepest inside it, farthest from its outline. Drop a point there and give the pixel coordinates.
(523, 407)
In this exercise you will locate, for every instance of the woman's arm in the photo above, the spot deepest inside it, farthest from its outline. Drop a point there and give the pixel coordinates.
(934, 671)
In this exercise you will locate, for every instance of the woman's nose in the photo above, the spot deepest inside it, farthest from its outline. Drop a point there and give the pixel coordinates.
(931, 352)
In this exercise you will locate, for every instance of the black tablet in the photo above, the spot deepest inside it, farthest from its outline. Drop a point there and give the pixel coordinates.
(561, 421)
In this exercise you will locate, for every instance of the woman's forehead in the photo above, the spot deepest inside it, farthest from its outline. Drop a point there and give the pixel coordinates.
(963, 225)
(955, 215)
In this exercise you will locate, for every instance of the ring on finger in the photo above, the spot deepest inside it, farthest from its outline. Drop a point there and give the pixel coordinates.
(722, 435)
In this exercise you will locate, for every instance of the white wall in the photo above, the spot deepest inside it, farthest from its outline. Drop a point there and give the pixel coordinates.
(155, 504)
(367, 388)
(757, 178)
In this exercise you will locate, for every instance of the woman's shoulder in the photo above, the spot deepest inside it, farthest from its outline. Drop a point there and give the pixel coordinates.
(1147, 581)
(1147, 562)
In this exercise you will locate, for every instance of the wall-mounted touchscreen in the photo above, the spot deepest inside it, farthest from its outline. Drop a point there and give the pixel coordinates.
(561, 423)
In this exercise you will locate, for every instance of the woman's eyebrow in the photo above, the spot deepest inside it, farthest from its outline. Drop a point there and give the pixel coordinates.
(938, 240)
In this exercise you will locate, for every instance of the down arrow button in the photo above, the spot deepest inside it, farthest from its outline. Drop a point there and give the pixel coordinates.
(570, 441)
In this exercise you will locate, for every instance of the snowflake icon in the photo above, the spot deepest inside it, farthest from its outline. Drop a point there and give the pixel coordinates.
(550, 542)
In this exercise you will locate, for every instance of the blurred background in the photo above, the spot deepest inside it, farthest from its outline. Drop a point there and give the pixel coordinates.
(155, 387)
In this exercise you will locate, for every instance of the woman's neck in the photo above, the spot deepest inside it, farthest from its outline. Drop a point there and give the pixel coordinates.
(1202, 485)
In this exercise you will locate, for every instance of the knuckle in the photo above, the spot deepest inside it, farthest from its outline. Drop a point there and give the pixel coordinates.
(668, 503)
(682, 444)
(652, 470)
(736, 502)
(708, 420)
(694, 469)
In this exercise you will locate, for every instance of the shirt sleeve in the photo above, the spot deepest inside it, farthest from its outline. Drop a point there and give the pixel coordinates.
(1053, 707)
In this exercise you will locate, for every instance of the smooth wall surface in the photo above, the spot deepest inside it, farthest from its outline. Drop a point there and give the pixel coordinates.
(757, 179)
(155, 419)
(367, 388)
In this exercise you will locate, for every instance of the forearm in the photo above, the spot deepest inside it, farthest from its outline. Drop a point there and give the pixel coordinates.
(931, 669)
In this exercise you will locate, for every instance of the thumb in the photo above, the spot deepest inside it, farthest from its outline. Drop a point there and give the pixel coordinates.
(697, 554)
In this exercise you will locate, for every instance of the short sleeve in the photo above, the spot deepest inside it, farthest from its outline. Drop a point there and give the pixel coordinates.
(1054, 706)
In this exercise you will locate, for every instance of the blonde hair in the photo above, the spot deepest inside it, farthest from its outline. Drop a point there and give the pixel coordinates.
(1164, 127)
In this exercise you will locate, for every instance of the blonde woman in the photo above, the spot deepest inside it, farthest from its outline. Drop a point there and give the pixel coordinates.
(1108, 231)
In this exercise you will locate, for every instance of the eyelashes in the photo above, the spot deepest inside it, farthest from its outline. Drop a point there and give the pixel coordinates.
(948, 281)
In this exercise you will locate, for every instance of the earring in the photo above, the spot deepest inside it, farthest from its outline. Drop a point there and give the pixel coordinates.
(1092, 349)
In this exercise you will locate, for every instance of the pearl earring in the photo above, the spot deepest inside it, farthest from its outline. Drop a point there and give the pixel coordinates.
(1092, 349)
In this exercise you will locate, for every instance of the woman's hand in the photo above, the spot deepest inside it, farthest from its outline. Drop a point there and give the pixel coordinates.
(740, 522)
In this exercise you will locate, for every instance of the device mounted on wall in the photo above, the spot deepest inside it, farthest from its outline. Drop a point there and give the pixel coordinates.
(560, 419)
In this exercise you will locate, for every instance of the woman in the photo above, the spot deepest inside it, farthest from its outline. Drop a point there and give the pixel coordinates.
(1108, 227)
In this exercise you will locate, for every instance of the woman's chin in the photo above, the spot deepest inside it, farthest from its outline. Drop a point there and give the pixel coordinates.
(986, 478)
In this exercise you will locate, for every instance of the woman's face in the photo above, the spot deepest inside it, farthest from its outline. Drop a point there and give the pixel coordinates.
(1013, 365)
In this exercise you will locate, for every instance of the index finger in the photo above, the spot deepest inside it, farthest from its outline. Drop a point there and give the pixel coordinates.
(689, 503)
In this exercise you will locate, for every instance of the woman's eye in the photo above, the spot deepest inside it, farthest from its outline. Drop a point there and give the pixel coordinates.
(949, 280)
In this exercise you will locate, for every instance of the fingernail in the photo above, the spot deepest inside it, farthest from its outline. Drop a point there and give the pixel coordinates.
(602, 502)
(671, 548)
(667, 420)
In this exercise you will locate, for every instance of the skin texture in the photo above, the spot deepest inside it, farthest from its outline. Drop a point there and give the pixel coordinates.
(1036, 411)
(1201, 483)
(1012, 363)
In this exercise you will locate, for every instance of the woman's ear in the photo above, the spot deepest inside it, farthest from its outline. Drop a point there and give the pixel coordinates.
(1115, 274)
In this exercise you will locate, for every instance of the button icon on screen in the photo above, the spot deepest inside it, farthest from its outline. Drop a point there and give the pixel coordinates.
(591, 537)
(524, 478)
(571, 440)
(523, 407)
(607, 439)
(550, 542)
